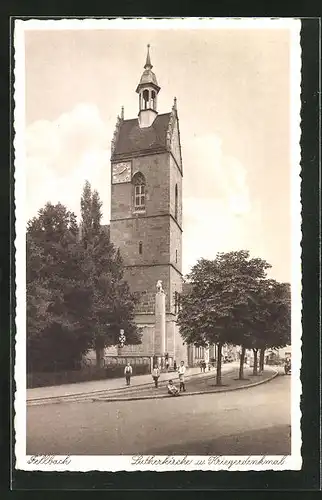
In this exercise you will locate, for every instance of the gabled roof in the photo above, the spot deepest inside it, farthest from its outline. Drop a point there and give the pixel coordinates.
(131, 139)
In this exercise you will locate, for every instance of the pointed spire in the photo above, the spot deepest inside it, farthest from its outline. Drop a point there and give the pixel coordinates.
(148, 64)
(175, 103)
(122, 113)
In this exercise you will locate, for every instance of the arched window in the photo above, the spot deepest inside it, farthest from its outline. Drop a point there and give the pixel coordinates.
(140, 247)
(176, 201)
(145, 98)
(153, 97)
(139, 191)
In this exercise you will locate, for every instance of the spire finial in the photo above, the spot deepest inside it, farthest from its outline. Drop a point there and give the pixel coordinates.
(122, 113)
(175, 103)
(148, 64)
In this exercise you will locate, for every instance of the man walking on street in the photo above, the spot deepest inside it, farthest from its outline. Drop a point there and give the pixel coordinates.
(182, 371)
(128, 373)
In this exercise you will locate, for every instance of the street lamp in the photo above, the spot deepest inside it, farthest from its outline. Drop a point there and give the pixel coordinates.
(122, 338)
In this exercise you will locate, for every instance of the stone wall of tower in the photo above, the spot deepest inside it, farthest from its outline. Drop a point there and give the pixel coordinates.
(153, 232)
(155, 169)
(175, 246)
(143, 280)
(175, 178)
(175, 285)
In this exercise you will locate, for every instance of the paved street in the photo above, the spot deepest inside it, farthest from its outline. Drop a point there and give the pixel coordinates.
(250, 421)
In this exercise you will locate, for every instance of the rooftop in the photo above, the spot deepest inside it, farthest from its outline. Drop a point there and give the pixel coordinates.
(132, 139)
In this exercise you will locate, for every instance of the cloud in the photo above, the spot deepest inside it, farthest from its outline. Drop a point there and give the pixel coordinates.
(63, 153)
(210, 173)
(218, 214)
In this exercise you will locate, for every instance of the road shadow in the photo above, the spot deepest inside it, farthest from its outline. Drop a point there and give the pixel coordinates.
(266, 441)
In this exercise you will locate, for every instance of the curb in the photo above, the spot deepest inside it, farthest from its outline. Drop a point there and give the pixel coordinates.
(196, 393)
(61, 399)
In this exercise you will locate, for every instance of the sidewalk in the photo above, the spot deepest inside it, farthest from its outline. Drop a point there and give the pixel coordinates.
(114, 384)
(194, 385)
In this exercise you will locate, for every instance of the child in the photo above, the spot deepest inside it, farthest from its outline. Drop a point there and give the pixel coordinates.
(128, 373)
(182, 371)
(172, 389)
(156, 375)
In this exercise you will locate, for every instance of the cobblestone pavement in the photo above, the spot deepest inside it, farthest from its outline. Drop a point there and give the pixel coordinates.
(252, 421)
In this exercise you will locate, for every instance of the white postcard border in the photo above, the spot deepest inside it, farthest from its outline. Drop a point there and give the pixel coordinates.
(150, 463)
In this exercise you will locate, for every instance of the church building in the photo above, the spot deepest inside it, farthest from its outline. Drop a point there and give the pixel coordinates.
(146, 213)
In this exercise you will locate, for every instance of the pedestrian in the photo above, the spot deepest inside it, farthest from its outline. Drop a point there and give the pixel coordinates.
(156, 375)
(182, 371)
(167, 365)
(175, 365)
(128, 373)
(201, 366)
(172, 389)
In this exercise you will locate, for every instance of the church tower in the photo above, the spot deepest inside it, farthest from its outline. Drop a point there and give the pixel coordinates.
(146, 212)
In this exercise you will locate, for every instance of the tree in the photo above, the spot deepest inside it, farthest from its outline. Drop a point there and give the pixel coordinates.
(38, 300)
(276, 318)
(266, 318)
(113, 304)
(213, 309)
(86, 213)
(77, 298)
(57, 295)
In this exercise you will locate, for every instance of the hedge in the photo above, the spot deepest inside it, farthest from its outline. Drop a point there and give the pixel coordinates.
(44, 379)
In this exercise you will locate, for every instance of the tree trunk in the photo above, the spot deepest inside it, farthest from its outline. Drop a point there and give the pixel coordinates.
(255, 361)
(241, 363)
(99, 356)
(219, 356)
(261, 359)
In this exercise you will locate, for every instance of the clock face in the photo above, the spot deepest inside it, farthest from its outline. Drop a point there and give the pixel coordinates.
(121, 172)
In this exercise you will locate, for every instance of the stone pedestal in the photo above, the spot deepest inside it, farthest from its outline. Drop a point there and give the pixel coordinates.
(159, 333)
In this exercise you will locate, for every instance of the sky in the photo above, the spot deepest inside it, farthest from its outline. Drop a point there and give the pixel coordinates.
(233, 97)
